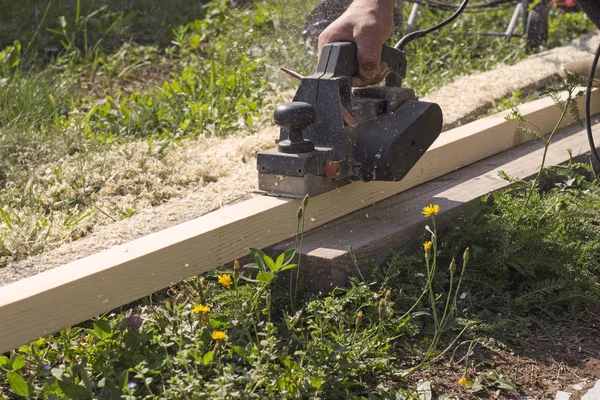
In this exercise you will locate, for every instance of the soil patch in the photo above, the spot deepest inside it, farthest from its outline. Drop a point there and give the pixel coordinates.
(551, 357)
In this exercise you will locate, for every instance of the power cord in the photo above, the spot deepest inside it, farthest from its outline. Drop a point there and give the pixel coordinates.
(444, 5)
(419, 34)
(588, 120)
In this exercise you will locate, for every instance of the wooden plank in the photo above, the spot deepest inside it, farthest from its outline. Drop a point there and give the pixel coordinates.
(374, 230)
(45, 303)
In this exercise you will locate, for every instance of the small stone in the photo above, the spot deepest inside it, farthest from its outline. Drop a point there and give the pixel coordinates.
(560, 395)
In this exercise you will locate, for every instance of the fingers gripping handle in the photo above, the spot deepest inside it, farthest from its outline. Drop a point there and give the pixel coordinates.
(340, 60)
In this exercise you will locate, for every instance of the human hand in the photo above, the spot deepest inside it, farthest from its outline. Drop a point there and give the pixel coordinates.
(369, 23)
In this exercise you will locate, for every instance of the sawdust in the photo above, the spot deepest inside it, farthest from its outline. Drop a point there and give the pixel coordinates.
(229, 163)
(202, 175)
(469, 96)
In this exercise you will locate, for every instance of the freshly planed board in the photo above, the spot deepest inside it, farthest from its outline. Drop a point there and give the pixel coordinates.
(373, 231)
(72, 293)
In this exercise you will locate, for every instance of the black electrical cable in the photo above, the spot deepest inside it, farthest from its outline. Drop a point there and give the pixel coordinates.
(450, 6)
(588, 120)
(419, 34)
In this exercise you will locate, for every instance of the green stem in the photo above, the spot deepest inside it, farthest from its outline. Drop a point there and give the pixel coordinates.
(425, 289)
(443, 320)
(295, 246)
(546, 145)
(299, 256)
(432, 274)
(362, 278)
(462, 273)
(37, 30)
(451, 344)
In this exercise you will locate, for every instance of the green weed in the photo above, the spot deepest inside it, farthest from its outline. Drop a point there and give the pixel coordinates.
(568, 105)
(236, 331)
(82, 78)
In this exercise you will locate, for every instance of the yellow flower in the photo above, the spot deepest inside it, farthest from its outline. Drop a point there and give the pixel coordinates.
(465, 381)
(201, 308)
(427, 246)
(225, 280)
(218, 335)
(430, 210)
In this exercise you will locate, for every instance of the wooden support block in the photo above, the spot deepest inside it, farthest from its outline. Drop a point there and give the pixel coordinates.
(373, 231)
(55, 299)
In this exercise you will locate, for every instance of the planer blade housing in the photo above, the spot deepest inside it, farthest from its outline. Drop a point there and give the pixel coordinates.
(332, 133)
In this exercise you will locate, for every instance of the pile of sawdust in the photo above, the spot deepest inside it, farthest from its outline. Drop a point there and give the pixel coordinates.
(470, 96)
(222, 171)
(205, 174)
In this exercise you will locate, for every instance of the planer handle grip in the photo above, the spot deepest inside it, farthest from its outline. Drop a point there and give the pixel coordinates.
(340, 60)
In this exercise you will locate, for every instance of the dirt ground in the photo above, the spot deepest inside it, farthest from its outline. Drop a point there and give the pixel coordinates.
(228, 171)
(564, 357)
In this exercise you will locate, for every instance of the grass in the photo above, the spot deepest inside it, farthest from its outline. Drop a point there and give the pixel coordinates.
(78, 79)
(102, 116)
(227, 335)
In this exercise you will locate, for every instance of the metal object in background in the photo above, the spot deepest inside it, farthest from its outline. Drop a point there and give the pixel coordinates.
(534, 21)
(321, 149)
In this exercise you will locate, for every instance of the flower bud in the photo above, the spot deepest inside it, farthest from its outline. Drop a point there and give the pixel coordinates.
(305, 201)
(236, 270)
(466, 255)
(359, 318)
(268, 300)
(388, 296)
(299, 214)
(452, 266)
(382, 309)
(179, 298)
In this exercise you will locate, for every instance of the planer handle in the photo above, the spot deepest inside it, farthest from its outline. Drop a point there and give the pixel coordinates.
(340, 60)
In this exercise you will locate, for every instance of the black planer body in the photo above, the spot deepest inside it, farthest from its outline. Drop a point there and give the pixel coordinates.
(332, 133)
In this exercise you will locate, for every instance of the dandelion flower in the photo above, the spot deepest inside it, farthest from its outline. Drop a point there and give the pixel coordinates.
(201, 308)
(465, 381)
(430, 210)
(218, 336)
(427, 246)
(225, 280)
